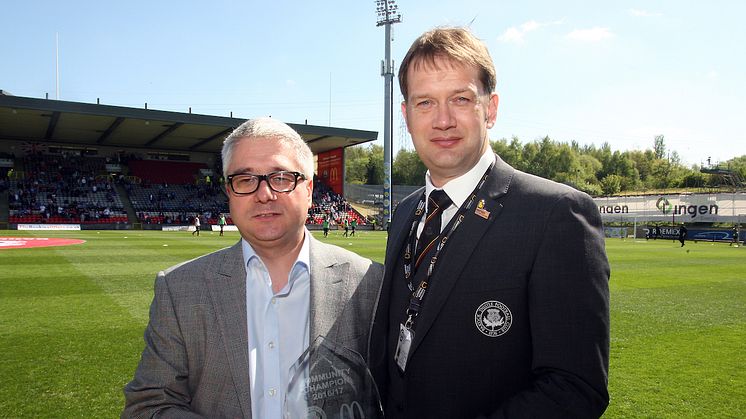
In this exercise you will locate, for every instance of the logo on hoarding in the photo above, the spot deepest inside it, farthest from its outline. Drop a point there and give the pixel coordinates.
(663, 205)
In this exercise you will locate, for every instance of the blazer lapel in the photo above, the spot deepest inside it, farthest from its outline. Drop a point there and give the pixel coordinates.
(397, 236)
(398, 233)
(328, 281)
(227, 287)
(378, 335)
(460, 247)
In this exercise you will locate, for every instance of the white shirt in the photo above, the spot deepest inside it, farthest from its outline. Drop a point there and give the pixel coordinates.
(278, 326)
(457, 189)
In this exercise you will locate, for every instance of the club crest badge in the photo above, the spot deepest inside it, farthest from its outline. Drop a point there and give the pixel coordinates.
(493, 318)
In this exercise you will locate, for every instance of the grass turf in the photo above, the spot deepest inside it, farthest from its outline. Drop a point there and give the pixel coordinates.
(71, 321)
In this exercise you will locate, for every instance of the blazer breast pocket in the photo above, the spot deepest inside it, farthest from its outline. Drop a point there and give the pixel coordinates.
(492, 312)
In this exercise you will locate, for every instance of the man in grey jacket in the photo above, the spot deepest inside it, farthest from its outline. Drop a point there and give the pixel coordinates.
(225, 328)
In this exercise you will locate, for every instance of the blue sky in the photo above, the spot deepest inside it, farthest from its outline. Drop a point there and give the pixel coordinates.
(620, 72)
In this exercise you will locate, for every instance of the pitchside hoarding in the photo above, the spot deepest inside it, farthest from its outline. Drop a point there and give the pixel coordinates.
(685, 208)
(74, 227)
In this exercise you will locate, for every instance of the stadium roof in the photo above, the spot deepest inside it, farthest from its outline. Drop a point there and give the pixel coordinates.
(60, 122)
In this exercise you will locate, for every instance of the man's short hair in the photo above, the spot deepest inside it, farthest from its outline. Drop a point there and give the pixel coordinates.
(268, 128)
(452, 43)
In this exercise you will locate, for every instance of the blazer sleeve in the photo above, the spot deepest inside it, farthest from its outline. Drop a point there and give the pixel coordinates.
(568, 296)
(160, 386)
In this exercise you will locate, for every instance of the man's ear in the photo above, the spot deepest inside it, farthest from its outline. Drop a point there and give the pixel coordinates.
(492, 110)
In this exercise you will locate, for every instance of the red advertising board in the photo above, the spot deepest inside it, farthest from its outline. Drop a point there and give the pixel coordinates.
(331, 169)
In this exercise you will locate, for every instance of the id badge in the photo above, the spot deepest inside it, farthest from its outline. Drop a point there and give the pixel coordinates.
(406, 335)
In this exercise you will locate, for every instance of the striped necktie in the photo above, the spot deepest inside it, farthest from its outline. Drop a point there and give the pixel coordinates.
(437, 203)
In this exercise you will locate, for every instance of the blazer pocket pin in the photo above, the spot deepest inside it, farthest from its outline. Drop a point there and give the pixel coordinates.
(480, 211)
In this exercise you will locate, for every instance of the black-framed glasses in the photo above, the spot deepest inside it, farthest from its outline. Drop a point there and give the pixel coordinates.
(281, 181)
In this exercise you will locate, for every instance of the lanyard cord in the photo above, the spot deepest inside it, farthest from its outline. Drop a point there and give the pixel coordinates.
(418, 295)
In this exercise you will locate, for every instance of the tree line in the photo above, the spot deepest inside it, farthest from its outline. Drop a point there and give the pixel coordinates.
(598, 171)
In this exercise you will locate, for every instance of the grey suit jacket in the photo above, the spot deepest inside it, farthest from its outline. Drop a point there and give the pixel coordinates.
(196, 362)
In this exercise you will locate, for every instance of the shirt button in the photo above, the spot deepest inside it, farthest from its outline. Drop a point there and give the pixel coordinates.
(271, 345)
(272, 392)
(274, 301)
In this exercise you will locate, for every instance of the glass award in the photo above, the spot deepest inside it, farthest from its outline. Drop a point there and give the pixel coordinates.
(331, 382)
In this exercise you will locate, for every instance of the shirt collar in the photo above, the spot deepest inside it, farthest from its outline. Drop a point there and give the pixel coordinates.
(304, 256)
(458, 189)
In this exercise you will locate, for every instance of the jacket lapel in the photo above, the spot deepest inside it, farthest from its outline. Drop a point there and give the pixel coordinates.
(328, 281)
(397, 236)
(378, 338)
(399, 231)
(227, 287)
(461, 245)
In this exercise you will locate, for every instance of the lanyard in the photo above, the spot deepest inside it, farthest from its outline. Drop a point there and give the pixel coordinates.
(418, 295)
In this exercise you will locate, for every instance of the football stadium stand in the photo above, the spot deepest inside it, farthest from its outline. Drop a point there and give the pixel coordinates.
(103, 166)
(63, 189)
(73, 189)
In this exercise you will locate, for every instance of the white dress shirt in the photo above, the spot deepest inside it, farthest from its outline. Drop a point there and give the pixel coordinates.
(278, 326)
(457, 189)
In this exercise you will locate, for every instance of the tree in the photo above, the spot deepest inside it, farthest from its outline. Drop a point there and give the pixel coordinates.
(620, 164)
(408, 169)
(587, 180)
(738, 165)
(611, 184)
(594, 170)
(694, 180)
(661, 171)
(644, 164)
(355, 164)
(528, 159)
(374, 172)
(659, 147)
(510, 153)
(364, 164)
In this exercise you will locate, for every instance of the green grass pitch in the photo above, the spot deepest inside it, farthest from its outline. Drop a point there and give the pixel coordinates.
(72, 318)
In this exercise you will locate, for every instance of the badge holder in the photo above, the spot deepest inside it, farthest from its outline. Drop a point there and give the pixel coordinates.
(406, 336)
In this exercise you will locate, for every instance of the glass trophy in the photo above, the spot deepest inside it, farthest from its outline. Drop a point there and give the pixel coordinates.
(331, 382)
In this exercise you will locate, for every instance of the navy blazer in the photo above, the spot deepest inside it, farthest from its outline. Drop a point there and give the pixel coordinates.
(515, 322)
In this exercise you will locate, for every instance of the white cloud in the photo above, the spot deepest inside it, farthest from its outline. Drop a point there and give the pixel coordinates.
(643, 13)
(596, 34)
(513, 34)
(712, 75)
(516, 34)
(290, 83)
(530, 26)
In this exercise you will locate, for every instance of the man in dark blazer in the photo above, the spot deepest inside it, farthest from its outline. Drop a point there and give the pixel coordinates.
(209, 350)
(506, 313)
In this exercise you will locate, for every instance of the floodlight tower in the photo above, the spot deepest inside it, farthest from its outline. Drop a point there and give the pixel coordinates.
(388, 14)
